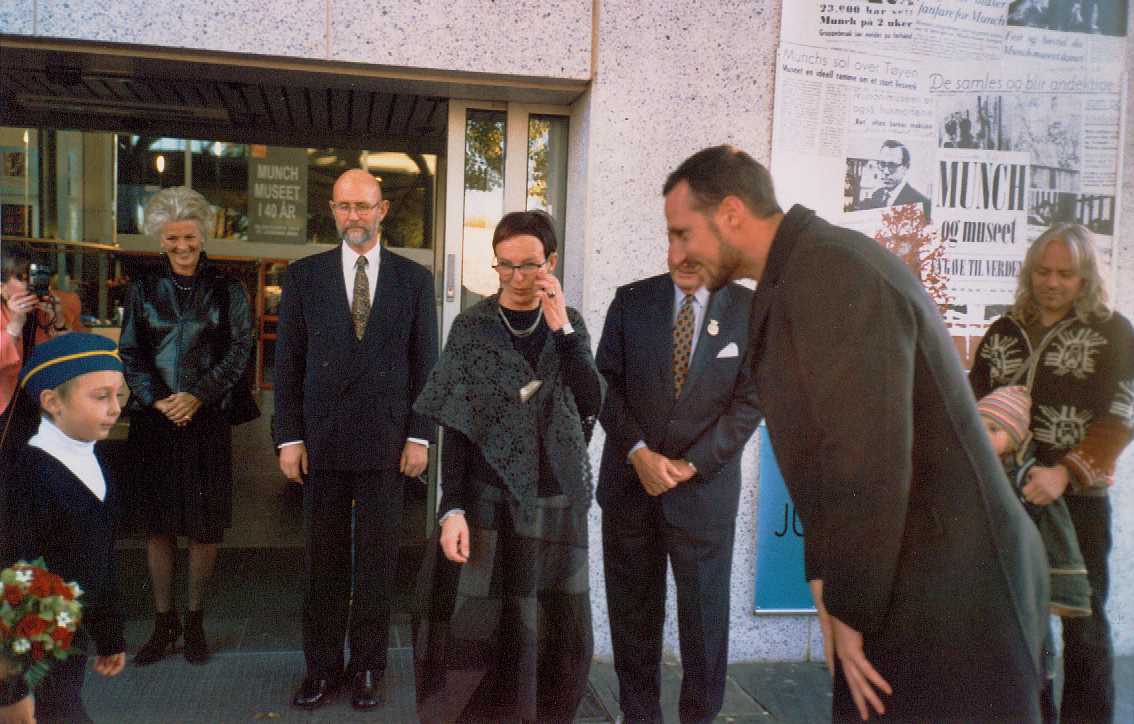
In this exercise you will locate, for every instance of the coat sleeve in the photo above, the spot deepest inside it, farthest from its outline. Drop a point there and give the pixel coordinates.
(855, 337)
(980, 374)
(721, 442)
(218, 381)
(136, 350)
(104, 620)
(422, 353)
(579, 372)
(616, 417)
(1092, 462)
(456, 454)
(291, 362)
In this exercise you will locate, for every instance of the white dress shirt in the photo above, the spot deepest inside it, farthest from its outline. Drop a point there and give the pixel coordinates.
(76, 455)
(350, 258)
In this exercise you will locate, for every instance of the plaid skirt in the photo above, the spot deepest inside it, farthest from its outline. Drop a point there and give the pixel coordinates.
(506, 636)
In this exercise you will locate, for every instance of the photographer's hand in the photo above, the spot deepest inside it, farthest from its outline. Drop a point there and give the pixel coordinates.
(52, 308)
(20, 306)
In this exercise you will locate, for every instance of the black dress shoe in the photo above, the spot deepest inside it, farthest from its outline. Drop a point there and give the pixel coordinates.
(314, 692)
(368, 690)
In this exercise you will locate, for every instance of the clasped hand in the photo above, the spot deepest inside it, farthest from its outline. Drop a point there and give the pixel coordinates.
(657, 473)
(179, 407)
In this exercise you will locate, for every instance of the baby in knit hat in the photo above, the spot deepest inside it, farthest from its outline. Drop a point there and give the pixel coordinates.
(1007, 413)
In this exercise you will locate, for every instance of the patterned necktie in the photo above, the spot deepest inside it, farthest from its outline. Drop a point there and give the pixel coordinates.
(360, 306)
(682, 343)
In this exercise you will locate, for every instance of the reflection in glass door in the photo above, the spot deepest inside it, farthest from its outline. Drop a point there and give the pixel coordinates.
(483, 202)
(514, 157)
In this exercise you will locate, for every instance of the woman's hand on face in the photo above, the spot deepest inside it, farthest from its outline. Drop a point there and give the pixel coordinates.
(455, 538)
(550, 295)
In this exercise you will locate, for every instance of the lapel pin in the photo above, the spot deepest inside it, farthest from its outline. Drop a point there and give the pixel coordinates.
(529, 389)
(714, 328)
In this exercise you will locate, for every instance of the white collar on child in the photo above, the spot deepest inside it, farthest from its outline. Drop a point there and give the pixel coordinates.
(77, 455)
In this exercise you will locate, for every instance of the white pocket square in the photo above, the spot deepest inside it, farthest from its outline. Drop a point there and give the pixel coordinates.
(729, 350)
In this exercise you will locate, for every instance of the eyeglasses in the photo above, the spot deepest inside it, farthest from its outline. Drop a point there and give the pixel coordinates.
(359, 208)
(506, 268)
(889, 166)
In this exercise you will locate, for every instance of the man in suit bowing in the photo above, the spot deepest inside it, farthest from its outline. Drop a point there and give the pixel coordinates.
(680, 406)
(357, 337)
(933, 575)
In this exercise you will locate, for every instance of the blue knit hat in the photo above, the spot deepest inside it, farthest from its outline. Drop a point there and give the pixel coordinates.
(65, 357)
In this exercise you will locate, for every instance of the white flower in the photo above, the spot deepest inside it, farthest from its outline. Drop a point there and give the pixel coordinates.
(20, 646)
(63, 619)
(24, 576)
(76, 591)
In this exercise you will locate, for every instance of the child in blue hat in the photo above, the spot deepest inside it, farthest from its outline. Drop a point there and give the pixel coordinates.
(62, 506)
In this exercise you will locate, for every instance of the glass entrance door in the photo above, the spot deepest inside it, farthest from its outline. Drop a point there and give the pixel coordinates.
(503, 157)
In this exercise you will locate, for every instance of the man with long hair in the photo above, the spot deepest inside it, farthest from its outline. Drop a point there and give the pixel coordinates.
(1076, 354)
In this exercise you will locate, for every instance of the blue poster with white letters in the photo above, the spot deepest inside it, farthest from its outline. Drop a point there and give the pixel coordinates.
(780, 584)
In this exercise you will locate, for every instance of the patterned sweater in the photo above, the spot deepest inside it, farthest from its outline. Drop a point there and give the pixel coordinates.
(1082, 385)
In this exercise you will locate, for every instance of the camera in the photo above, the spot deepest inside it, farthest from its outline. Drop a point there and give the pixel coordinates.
(39, 280)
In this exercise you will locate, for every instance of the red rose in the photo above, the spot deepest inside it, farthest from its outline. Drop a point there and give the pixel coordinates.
(62, 637)
(41, 583)
(59, 588)
(13, 594)
(37, 651)
(31, 625)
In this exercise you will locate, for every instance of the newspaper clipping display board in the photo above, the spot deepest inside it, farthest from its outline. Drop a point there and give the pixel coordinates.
(954, 132)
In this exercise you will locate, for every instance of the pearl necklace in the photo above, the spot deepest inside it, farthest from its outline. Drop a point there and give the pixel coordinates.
(520, 332)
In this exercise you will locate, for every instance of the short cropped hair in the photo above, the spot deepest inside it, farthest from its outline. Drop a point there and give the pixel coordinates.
(178, 203)
(532, 223)
(14, 262)
(1091, 303)
(720, 171)
(905, 151)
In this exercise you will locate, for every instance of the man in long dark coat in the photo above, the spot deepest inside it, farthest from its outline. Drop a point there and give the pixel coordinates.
(932, 574)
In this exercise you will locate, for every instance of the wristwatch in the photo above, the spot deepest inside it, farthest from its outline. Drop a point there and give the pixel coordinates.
(566, 329)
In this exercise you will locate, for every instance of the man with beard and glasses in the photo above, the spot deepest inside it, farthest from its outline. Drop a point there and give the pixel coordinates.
(932, 576)
(357, 338)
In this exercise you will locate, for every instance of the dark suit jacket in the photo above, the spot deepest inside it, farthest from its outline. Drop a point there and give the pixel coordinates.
(55, 516)
(908, 195)
(908, 517)
(708, 425)
(349, 401)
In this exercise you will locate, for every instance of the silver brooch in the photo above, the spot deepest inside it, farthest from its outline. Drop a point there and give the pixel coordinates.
(529, 389)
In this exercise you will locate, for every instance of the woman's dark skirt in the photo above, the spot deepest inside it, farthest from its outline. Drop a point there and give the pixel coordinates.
(182, 476)
(506, 636)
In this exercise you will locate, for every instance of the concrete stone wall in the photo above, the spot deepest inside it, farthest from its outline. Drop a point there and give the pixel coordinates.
(517, 37)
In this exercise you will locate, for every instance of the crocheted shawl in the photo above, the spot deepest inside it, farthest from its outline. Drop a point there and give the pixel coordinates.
(475, 389)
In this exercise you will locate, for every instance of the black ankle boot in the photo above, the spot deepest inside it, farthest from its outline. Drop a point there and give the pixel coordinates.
(167, 629)
(196, 648)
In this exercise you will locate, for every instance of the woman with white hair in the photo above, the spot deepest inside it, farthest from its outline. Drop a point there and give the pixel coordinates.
(186, 340)
(1075, 354)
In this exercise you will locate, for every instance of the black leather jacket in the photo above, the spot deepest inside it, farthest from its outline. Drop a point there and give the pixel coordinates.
(202, 349)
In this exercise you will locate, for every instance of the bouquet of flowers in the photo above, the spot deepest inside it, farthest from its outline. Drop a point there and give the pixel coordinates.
(39, 615)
